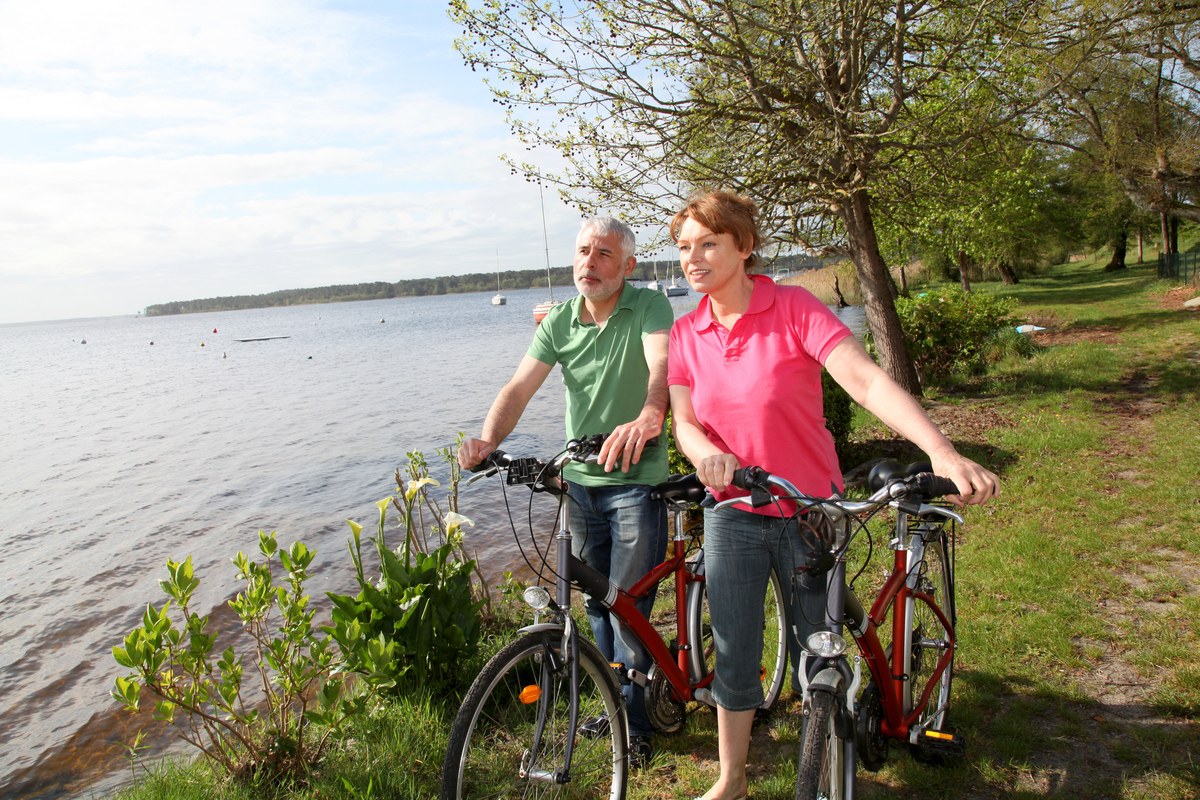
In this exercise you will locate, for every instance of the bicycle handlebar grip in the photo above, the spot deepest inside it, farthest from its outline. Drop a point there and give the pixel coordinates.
(935, 485)
(492, 459)
(749, 477)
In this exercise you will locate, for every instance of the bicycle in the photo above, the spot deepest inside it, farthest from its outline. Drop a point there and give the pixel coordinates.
(907, 696)
(517, 733)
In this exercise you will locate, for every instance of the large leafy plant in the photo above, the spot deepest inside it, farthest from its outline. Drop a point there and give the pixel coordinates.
(277, 726)
(420, 617)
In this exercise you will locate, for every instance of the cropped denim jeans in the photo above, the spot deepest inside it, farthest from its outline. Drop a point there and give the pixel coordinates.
(740, 548)
(620, 532)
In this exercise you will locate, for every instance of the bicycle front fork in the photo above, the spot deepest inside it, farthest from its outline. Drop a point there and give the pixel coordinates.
(837, 677)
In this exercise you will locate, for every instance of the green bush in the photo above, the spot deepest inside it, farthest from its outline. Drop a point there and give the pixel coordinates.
(949, 331)
(839, 411)
(296, 670)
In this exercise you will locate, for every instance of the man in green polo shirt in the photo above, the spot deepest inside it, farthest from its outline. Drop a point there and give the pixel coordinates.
(611, 342)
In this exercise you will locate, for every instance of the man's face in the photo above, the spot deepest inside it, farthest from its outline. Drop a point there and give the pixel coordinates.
(599, 271)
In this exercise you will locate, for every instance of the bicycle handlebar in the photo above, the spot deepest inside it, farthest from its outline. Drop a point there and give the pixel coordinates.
(584, 450)
(892, 483)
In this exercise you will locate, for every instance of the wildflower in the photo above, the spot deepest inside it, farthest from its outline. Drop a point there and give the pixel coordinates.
(415, 486)
(454, 521)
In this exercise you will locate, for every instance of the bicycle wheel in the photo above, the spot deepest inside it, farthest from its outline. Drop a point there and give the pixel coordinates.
(521, 702)
(774, 654)
(820, 776)
(932, 636)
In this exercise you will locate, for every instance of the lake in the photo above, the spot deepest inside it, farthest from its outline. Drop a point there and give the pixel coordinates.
(165, 437)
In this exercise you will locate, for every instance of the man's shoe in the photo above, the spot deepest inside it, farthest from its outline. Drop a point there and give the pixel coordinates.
(595, 727)
(640, 752)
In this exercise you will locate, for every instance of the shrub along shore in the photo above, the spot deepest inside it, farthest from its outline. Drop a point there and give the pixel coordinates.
(1078, 671)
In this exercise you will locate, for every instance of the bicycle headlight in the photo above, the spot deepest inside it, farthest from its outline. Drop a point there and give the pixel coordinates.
(826, 644)
(536, 598)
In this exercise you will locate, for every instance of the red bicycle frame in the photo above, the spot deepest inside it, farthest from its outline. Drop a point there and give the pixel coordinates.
(891, 679)
(677, 670)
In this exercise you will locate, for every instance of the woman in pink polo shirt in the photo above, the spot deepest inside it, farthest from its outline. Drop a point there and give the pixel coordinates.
(745, 382)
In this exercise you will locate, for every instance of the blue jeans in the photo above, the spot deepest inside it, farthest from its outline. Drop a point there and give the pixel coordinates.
(739, 550)
(620, 532)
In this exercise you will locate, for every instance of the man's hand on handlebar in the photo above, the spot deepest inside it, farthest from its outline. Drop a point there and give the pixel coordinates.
(473, 451)
(626, 443)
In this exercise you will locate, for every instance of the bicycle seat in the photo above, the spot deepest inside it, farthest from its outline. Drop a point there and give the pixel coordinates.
(886, 471)
(680, 488)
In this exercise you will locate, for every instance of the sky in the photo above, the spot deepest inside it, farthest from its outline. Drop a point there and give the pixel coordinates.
(154, 150)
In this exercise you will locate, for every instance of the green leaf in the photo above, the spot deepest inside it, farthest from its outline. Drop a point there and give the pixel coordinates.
(122, 657)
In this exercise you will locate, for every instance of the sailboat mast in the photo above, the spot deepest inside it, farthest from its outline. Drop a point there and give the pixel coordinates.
(546, 240)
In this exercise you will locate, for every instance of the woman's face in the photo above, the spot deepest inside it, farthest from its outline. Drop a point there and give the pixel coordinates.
(710, 260)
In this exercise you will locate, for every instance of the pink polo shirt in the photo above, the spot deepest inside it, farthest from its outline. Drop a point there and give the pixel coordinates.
(757, 388)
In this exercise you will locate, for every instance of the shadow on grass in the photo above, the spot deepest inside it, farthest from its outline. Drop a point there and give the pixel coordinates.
(1073, 285)
(855, 455)
(1164, 379)
(1025, 741)
(1022, 742)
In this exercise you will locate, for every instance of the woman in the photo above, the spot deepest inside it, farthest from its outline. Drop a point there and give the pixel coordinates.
(745, 383)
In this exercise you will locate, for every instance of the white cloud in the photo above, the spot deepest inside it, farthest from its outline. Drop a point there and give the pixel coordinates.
(154, 151)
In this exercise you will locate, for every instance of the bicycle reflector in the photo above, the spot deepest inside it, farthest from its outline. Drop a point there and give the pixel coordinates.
(530, 694)
(536, 598)
(826, 644)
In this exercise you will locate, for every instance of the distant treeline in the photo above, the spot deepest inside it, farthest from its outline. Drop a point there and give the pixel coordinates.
(420, 287)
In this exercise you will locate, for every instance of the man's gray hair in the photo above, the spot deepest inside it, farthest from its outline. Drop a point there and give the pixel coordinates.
(605, 226)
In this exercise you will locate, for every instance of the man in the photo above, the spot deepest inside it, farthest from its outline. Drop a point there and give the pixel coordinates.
(611, 342)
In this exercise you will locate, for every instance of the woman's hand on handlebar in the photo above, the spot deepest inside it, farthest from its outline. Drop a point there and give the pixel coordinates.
(716, 471)
(976, 485)
(473, 451)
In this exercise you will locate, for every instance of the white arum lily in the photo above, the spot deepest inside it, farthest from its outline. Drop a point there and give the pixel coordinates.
(454, 521)
(415, 486)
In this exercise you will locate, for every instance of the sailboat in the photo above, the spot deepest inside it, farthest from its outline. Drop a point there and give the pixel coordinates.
(543, 308)
(498, 299)
(655, 285)
(674, 289)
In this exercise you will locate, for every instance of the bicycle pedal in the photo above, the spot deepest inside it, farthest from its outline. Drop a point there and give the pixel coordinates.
(942, 743)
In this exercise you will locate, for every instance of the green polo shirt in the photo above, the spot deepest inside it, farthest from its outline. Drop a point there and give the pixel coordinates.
(605, 372)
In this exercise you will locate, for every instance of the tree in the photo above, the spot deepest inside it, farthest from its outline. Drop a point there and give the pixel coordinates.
(806, 107)
(1134, 110)
(985, 203)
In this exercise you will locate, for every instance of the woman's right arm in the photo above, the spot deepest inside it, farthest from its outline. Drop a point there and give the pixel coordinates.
(714, 467)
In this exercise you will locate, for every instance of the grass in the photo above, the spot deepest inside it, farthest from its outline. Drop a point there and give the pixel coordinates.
(1078, 672)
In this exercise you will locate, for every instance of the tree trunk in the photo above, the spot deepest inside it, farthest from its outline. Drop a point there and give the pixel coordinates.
(1141, 252)
(892, 287)
(1007, 273)
(837, 290)
(855, 213)
(1165, 222)
(1118, 257)
(903, 282)
(963, 278)
(1174, 234)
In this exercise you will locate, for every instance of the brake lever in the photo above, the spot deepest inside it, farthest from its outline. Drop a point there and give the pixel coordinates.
(487, 473)
(941, 511)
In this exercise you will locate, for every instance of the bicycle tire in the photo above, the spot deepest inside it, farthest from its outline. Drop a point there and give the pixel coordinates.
(819, 776)
(493, 733)
(931, 638)
(775, 653)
